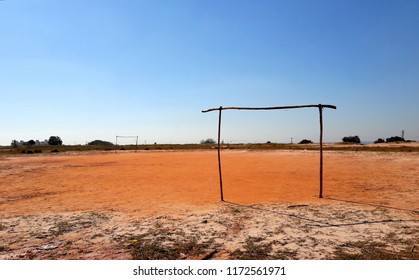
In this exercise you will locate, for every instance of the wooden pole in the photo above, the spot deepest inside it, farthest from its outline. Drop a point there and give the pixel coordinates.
(321, 150)
(270, 108)
(219, 153)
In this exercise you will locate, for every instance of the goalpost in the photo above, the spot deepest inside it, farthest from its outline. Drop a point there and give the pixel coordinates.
(319, 106)
(131, 137)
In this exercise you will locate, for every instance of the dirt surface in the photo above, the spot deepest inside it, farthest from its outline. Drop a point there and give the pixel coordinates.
(137, 205)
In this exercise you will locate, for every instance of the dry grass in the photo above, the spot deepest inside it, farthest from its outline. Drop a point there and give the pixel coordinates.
(264, 232)
(365, 250)
(400, 147)
(161, 244)
(62, 227)
(253, 249)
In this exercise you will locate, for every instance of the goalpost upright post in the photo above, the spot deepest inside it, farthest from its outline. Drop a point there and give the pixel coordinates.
(136, 141)
(319, 106)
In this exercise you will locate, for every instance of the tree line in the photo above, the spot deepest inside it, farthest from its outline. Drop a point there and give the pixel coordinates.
(357, 140)
(56, 141)
(52, 141)
(347, 139)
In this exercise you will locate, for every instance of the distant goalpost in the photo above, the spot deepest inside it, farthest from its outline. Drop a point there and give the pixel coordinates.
(320, 108)
(132, 137)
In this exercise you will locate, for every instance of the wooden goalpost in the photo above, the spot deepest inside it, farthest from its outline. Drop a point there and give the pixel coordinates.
(134, 137)
(320, 108)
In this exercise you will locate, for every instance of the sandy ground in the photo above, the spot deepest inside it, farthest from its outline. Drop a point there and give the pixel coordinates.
(166, 205)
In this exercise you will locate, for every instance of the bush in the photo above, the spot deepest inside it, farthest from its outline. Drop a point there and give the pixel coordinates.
(395, 139)
(208, 141)
(55, 141)
(100, 143)
(306, 141)
(14, 144)
(379, 140)
(55, 151)
(351, 139)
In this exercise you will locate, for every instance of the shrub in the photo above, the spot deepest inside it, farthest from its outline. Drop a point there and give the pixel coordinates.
(100, 143)
(306, 141)
(351, 139)
(55, 141)
(379, 140)
(208, 141)
(395, 139)
(14, 144)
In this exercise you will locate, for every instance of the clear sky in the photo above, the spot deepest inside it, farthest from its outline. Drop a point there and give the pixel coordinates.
(86, 70)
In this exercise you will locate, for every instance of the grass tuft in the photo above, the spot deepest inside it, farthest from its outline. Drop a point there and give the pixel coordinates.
(253, 250)
(143, 249)
(62, 227)
(364, 250)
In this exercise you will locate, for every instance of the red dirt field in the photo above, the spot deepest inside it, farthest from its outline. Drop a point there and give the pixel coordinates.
(89, 205)
(163, 182)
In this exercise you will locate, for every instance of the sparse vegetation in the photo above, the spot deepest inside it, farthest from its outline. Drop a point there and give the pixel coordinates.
(254, 249)
(162, 246)
(264, 146)
(364, 250)
(62, 227)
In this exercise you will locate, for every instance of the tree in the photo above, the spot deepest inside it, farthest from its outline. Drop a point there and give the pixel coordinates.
(55, 141)
(379, 140)
(306, 141)
(208, 141)
(14, 143)
(31, 142)
(351, 139)
(395, 139)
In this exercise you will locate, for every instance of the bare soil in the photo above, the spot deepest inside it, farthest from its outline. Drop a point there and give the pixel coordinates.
(166, 205)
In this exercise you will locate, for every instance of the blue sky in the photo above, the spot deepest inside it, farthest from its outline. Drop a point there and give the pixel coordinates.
(86, 70)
